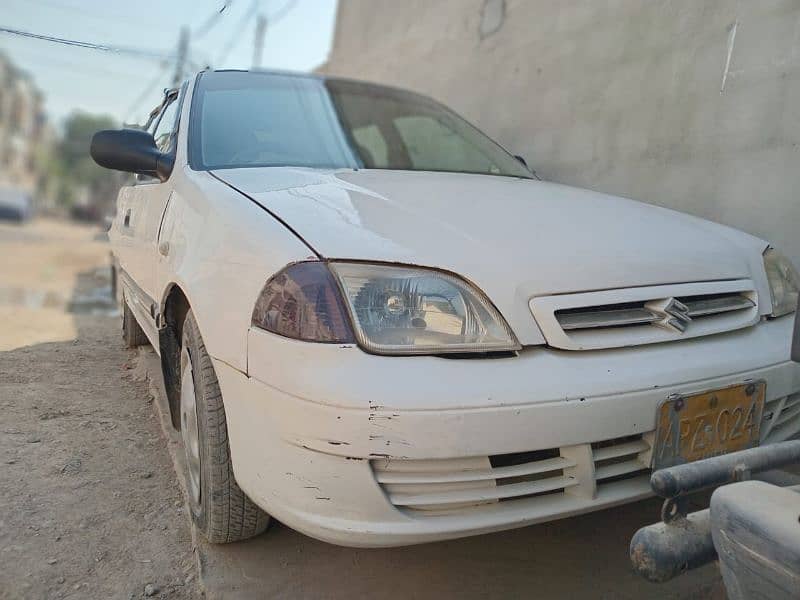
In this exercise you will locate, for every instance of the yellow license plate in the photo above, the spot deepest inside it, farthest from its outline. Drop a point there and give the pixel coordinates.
(708, 424)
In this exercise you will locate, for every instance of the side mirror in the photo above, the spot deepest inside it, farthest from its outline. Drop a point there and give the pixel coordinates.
(796, 338)
(130, 150)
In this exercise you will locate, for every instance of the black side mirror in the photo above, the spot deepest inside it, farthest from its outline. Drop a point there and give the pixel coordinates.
(796, 338)
(130, 150)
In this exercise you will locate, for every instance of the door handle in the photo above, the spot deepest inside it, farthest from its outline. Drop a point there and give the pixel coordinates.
(163, 248)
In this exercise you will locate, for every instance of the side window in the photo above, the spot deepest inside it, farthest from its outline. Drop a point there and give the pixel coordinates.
(165, 126)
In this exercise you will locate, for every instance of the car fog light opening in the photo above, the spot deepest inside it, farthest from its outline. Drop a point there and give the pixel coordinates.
(784, 282)
(303, 302)
(410, 310)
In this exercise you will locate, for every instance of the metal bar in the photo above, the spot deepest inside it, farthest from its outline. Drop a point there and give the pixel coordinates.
(719, 470)
(617, 469)
(713, 306)
(434, 477)
(480, 495)
(598, 317)
(662, 551)
(593, 319)
(626, 449)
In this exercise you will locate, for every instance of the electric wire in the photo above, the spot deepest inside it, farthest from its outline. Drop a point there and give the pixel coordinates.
(122, 50)
(202, 30)
(236, 36)
(104, 16)
(148, 89)
(26, 56)
(272, 20)
(211, 21)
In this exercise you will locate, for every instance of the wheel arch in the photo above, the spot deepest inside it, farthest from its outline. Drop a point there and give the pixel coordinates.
(174, 307)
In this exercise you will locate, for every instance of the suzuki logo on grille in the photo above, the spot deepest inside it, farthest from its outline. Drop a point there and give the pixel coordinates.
(674, 314)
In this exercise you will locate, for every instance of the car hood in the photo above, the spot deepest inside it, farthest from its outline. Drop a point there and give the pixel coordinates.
(514, 238)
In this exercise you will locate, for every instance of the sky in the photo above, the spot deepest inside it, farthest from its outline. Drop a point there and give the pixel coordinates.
(127, 88)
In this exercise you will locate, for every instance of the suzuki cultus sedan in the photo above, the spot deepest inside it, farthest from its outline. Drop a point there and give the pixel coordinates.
(379, 327)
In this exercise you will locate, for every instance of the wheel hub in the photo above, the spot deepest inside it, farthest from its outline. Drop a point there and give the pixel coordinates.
(189, 428)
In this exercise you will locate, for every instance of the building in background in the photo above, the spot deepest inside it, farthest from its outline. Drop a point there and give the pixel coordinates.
(689, 105)
(24, 131)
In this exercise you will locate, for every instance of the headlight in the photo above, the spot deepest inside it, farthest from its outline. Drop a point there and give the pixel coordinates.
(393, 310)
(784, 282)
(303, 302)
(409, 310)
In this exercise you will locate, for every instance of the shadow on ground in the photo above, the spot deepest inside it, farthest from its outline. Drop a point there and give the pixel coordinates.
(581, 557)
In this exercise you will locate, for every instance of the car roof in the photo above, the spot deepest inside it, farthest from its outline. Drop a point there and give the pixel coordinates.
(315, 76)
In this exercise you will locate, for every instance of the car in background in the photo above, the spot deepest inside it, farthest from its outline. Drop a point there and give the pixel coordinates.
(15, 205)
(379, 326)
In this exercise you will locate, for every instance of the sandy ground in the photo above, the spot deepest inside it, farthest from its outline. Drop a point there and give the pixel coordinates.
(89, 504)
(40, 266)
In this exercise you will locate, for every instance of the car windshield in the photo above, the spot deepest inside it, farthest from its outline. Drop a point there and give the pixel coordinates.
(245, 119)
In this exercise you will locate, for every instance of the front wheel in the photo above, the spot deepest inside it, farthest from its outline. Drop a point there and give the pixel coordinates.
(219, 507)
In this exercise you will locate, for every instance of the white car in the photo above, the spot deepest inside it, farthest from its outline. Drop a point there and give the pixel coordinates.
(391, 332)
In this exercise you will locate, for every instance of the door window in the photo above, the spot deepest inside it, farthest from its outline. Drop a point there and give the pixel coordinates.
(166, 126)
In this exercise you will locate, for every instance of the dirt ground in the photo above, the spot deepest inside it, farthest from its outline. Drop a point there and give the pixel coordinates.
(89, 504)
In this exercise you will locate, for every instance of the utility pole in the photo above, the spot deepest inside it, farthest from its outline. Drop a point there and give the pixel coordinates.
(181, 57)
(258, 42)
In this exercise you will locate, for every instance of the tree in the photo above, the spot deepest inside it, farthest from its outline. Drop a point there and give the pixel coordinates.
(74, 168)
(73, 149)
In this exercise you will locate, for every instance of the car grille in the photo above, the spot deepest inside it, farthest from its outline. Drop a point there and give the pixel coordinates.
(432, 487)
(439, 487)
(619, 459)
(645, 315)
(615, 315)
(781, 419)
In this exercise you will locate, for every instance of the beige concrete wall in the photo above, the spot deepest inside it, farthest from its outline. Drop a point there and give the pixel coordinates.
(690, 104)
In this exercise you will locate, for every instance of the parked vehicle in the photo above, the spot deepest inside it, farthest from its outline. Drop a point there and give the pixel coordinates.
(15, 205)
(379, 327)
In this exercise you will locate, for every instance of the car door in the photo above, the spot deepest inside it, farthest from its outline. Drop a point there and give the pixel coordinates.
(121, 232)
(145, 207)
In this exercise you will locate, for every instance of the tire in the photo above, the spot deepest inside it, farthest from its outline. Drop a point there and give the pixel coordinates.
(114, 284)
(222, 512)
(132, 332)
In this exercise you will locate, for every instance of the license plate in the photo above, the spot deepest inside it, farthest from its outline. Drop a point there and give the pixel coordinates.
(708, 424)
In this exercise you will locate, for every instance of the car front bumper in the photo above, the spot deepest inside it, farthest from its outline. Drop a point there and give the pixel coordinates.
(364, 450)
